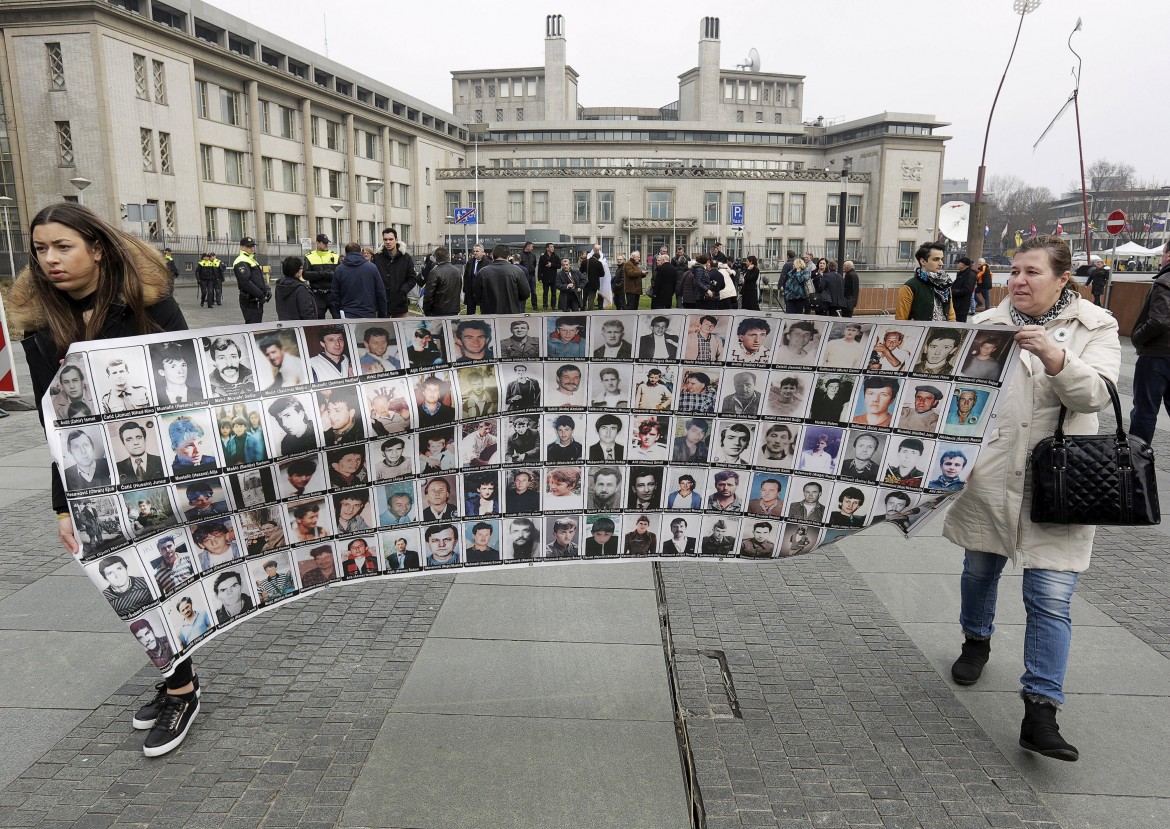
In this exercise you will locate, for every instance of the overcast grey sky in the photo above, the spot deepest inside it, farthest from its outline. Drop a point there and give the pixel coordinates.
(859, 57)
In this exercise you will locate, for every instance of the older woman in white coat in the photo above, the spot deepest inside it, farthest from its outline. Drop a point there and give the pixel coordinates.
(1068, 345)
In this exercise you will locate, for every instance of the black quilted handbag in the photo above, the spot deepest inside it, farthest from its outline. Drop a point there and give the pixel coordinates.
(1094, 479)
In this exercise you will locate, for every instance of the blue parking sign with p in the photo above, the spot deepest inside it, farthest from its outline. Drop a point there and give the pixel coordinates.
(737, 214)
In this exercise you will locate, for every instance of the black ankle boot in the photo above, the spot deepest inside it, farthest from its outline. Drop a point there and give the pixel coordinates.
(1040, 733)
(969, 666)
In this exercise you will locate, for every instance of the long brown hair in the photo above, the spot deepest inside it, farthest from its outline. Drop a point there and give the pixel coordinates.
(119, 281)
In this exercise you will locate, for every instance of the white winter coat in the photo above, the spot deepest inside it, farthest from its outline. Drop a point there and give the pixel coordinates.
(992, 512)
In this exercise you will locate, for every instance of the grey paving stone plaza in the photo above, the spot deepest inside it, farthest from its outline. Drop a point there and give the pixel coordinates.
(800, 693)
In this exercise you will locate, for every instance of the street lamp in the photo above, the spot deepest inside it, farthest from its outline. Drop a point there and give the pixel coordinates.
(375, 185)
(5, 201)
(846, 168)
(979, 207)
(478, 133)
(337, 208)
(80, 183)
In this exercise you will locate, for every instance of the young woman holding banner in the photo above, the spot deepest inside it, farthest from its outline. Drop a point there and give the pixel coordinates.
(87, 280)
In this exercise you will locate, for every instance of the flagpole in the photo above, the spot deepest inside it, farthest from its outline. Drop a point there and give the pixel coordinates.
(1080, 145)
(979, 206)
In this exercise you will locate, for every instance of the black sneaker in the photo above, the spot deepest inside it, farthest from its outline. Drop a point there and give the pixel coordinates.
(172, 725)
(145, 716)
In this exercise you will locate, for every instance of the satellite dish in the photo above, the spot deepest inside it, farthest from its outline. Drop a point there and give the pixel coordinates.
(752, 62)
(953, 219)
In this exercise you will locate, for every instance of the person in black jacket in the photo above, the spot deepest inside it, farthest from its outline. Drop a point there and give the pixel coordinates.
(594, 272)
(1151, 338)
(527, 260)
(963, 288)
(398, 274)
(443, 287)
(294, 299)
(547, 268)
(86, 280)
(664, 283)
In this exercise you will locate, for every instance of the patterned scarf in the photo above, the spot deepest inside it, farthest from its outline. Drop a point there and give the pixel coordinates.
(941, 284)
(1066, 296)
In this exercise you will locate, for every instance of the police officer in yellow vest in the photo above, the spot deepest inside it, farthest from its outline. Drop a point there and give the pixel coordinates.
(209, 275)
(319, 267)
(172, 268)
(250, 279)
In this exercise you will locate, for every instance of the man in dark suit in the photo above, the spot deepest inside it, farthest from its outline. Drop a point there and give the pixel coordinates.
(139, 466)
(607, 448)
(401, 558)
(471, 277)
(546, 269)
(652, 345)
(88, 469)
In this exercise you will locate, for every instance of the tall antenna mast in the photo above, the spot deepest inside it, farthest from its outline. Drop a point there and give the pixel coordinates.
(325, 28)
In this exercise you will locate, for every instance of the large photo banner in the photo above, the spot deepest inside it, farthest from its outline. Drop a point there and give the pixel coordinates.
(223, 473)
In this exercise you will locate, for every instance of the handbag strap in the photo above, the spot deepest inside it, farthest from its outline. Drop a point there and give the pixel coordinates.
(1122, 439)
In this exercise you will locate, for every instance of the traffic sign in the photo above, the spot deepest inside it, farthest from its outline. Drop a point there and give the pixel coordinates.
(465, 216)
(737, 214)
(1116, 222)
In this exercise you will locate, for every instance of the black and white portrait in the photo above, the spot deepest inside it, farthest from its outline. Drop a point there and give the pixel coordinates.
(136, 449)
(228, 364)
(120, 376)
(291, 423)
(788, 393)
(71, 392)
(175, 372)
(86, 465)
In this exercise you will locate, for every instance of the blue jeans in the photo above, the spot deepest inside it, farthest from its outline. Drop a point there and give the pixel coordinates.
(1048, 630)
(1151, 392)
(984, 295)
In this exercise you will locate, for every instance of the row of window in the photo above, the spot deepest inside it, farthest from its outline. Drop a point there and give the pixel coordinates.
(658, 136)
(289, 228)
(505, 87)
(647, 163)
(216, 35)
(767, 92)
(659, 204)
(277, 119)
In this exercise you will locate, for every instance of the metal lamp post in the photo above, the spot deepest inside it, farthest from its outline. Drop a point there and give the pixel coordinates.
(846, 165)
(375, 185)
(337, 208)
(479, 132)
(979, 207)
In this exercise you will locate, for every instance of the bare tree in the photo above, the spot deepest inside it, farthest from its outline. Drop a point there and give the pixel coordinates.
(1018, 204)
(1104, 174)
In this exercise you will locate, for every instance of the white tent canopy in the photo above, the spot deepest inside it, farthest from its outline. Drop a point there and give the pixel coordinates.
(1131, 249)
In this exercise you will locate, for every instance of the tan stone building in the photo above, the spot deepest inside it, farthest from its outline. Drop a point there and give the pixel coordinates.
(223, 129)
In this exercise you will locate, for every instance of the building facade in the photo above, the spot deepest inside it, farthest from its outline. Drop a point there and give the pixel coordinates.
(732, 146)
(218, 128)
